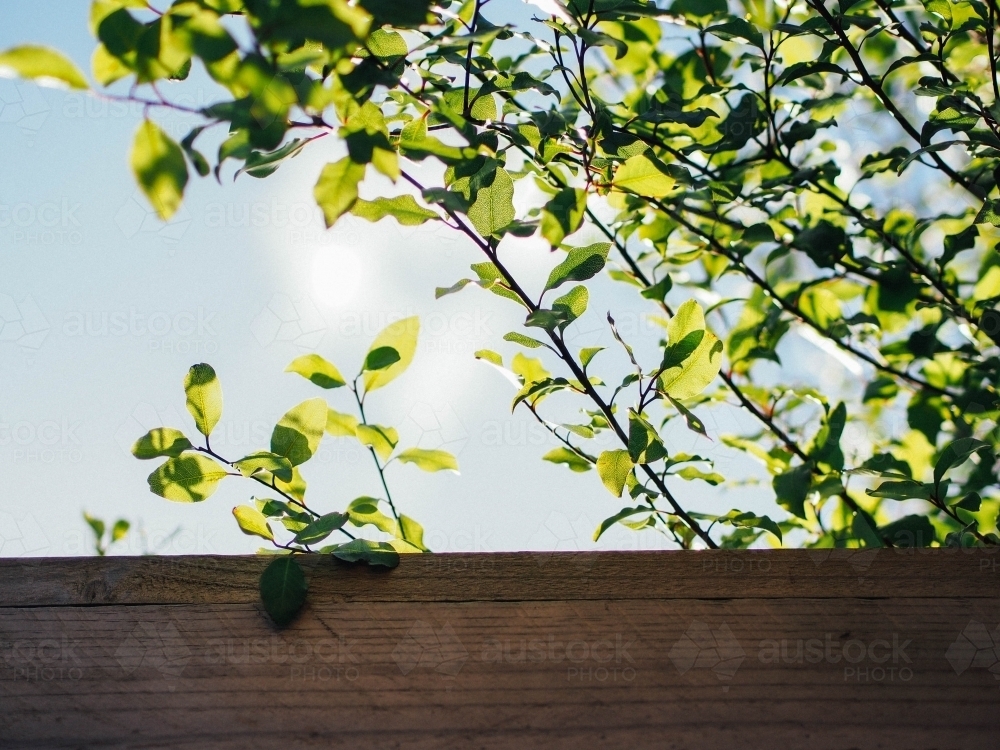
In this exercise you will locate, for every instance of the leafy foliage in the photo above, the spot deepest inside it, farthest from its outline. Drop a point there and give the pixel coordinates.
(826, 174)
(283, 516)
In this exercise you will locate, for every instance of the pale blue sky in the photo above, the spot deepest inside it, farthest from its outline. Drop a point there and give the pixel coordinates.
(105, 308)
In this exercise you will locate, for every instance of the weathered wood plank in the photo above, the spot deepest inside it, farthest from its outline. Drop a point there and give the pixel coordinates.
(592, 650)
(513, 577)
(838, 673)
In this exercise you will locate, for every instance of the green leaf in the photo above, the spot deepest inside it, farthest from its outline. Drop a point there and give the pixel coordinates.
(365, 510)
(340, 425)
(691, 419)
(700, 368)
(380, 439)
(573, 461)
(401, 336)
(624, 513)
(204, 397)
(580, 264)
(614, 468)
(298, 433)
(413, 532)
(738, 28)
(792, 488)
(380, 358)
(587, 355)
(160, 169)
(563, 215)
(159, 442)
(644, 444)
(644, 175)
(571, 305)
(252, 522)
(283, 589)
(373, 553)
(691, 472)
(904, 489)
(321, 528)
(749, 520)
(658, 291)
(403, 208)
(971, 502)
(186, 479)
(956, 454)
(317, 370)
(42, 64)
(120, 529)
(525, 341)
(494, 205)
(910, 531)
(336, 190)
(489, 356)
(429, 460)
(264, 461)
(96, 524)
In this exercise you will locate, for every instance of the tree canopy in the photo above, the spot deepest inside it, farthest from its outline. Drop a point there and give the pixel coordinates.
(758, 170)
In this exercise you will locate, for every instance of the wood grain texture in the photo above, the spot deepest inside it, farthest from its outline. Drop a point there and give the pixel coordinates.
(519, 576)
(685, 650)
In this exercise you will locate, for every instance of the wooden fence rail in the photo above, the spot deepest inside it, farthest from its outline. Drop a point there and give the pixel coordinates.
(818, 649)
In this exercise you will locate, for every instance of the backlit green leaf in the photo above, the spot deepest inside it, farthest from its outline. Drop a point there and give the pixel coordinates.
(188, 478)
(252, 522)
(401, 336)
(298, 433)
(429, 460)
(160, 169)
(204, 397)
(162, 441)
(317, 370)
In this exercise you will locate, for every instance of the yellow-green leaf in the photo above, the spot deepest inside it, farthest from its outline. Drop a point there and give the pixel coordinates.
(694, 374)
(381, 439)
(317, 370)
(403, 208)
(340, 425)
(43, 65)
(337, 188)
(494, 206)
(297, 434)
(252, 522)
(159, 442)
(401, 336)
(186, 479)
(429, 460)
(204, 397)
(614, 468)
(264, 461)
(159, 167)
(365, 510)
(644, 175)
